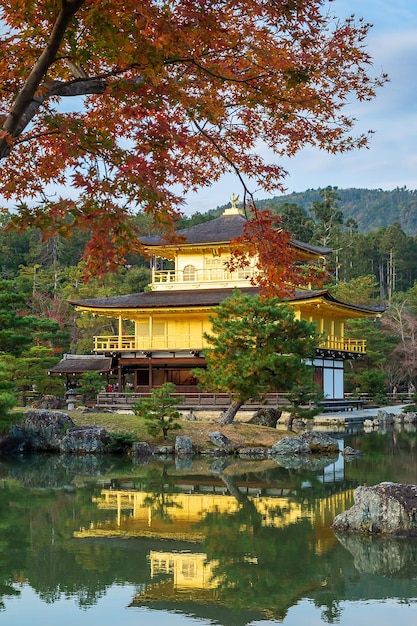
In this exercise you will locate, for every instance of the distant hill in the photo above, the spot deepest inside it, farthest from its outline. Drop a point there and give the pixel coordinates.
(371, 208)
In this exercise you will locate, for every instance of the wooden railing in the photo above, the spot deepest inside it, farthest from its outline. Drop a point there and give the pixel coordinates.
(129, 343)
(200, 400)
(345, 345)
(214, 275)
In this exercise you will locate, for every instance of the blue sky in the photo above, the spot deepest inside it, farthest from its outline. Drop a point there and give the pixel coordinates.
(391, 160)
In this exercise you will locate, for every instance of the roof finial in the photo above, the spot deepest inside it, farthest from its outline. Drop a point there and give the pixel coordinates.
(234, 209)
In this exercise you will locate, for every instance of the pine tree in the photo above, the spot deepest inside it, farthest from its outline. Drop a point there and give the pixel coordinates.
(159, 410)
(257, 346)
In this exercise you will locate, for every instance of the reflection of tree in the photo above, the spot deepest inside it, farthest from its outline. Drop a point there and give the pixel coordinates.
(37, 546)
(161, 491)
(258, 565)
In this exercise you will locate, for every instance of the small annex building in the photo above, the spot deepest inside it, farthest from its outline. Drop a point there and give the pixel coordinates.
(161, 331)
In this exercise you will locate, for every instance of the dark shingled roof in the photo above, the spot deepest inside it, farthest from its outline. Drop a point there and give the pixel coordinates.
(78, 364)
(222, 230)
(163, 299)
(197, 298)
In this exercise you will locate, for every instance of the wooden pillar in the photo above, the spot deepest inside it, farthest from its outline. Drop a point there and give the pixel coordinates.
(119, 339)
(150, 374)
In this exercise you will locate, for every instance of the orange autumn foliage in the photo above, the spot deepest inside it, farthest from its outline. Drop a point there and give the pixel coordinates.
(107, 108)
(279, 268)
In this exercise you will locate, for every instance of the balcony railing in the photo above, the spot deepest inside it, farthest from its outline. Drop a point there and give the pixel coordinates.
(344, 345)
(130, 343)
(194, 275)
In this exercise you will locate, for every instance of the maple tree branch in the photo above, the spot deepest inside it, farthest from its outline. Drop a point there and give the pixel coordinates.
(59, 88)
(12, 126)
(227, 159)
(247, 80)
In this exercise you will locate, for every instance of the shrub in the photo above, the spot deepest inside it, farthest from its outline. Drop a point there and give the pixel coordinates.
(159, 410)
(120, 443)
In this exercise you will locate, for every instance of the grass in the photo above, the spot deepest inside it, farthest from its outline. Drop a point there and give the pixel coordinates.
(244, 435)
(241, 433)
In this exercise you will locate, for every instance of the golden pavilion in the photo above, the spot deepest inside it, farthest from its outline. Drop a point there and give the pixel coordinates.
(160, 335)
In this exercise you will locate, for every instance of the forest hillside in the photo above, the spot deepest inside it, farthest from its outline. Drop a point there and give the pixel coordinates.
(370, 208)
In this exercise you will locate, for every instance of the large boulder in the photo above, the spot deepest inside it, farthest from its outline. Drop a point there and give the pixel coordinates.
(142, 448)
(290, 445)
(85, 440)
(49, 402)
(265, 416)
(220, 440)
(386, 508)
(320, 442)
(41, 430)
(183, 445)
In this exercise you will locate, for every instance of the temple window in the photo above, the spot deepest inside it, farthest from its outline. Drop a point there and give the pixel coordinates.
(189, 272)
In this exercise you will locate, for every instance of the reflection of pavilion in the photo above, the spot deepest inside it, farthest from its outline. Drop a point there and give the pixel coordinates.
(183, 576)
(176, 515)
(186, 570)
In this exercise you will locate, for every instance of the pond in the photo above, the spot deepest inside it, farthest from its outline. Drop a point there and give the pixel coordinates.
(207, 541)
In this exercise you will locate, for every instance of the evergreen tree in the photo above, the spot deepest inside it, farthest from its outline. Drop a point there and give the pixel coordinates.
(159, 410)
(7, 396)
(257, 346)
(296, 220)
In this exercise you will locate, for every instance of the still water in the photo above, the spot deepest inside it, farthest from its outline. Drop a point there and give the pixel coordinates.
(203, 541)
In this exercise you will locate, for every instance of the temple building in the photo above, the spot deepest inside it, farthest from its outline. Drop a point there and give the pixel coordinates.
(160, 334)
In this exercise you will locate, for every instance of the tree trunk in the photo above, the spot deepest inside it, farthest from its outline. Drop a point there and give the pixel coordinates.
(228, 415)
(232, 488)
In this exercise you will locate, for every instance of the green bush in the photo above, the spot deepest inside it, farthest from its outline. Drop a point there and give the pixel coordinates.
(7, 420)
(410, 408)
(120, 443)
(159, 410)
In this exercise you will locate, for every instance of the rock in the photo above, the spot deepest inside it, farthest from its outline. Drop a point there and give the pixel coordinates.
(42, 430)
(385, 417)
(386, 508)
(164, 450)
(306, 462)
(213, 452)
(85, 440)
(142, 448)
(254, 452)
(320, 442)
(265, 417)
(183, 445)
(49, 402)
(368, 423)
(409, 418)
(221, 441)
(348, 451)
(290, 445)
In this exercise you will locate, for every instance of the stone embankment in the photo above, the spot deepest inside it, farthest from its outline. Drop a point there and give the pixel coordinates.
(55, 431)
